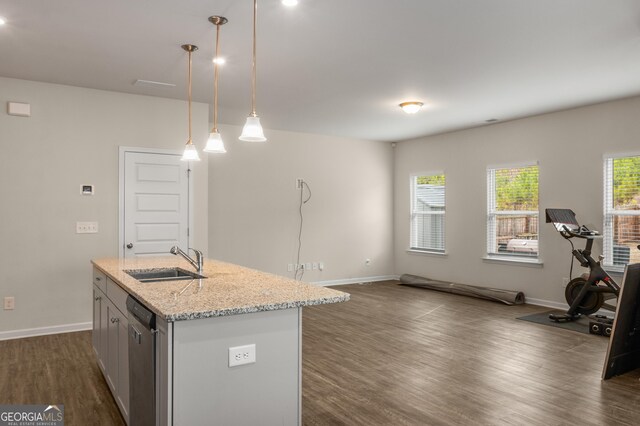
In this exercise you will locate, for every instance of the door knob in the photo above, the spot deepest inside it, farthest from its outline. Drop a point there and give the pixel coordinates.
(130, 245)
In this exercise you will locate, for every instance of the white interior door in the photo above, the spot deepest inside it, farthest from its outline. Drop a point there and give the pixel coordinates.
(156, 203)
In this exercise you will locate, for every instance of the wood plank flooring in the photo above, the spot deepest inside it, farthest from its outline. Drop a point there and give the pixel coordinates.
(393, 355)
(57, 369)
(398, 355)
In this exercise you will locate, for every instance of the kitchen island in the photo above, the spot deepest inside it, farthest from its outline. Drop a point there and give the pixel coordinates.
(200, 326)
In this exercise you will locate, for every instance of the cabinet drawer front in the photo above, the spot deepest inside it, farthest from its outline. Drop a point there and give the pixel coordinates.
(117, 295)
(100, 280)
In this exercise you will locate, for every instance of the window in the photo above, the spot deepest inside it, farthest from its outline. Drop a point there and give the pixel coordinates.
(427, 212)
(621, 210)
(512, 212)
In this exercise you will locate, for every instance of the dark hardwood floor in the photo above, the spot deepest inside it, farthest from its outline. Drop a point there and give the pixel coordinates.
(393, 355)
(57, 369)
(397, 355)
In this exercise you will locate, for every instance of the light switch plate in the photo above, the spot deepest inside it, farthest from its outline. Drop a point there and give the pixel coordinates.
(86, 227)
(19, 109)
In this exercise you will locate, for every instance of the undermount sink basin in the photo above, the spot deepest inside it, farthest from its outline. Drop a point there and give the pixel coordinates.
(163, 274)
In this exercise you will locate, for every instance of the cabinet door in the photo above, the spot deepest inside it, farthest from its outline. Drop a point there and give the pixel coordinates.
(112, 347)
(103, 332)
(95, 335)
(123, 366)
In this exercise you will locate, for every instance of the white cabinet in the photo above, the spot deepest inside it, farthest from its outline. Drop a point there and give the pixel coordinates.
(99, 336)
(110, 339)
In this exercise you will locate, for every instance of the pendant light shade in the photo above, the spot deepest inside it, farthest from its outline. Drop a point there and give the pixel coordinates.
(190, 152)
(252, 130)
(215, 145)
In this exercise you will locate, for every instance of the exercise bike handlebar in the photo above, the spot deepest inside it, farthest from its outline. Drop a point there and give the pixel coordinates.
(581, 232)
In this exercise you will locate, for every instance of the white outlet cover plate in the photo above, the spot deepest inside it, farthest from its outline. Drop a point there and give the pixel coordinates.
(241, 355)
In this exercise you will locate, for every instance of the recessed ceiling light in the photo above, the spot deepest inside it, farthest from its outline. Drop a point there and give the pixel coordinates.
(290, 2)
(411, 107)
(2, 20)
(219, 61)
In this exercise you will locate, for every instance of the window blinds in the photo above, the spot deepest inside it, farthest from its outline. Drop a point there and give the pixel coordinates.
(428, 212)
(512, 211)
(621, 210)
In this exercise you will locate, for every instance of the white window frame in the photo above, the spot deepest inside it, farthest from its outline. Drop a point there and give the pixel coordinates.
(492, 215)
(413, 215)
(609, 211)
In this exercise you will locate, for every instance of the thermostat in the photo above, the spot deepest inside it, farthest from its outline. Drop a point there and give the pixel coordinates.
(87, 190)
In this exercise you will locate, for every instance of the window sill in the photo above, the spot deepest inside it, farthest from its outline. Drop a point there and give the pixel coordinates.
(428, 252)
(614, 269)
(505, 260)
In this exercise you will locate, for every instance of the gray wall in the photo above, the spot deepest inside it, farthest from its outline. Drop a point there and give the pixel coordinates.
(569, 146)
(253, 204)
(246, 201)
(71, 139)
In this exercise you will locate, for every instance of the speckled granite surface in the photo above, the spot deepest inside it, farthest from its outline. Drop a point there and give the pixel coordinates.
(228, 289)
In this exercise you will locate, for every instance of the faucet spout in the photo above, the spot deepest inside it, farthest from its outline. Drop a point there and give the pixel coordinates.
(197, 263)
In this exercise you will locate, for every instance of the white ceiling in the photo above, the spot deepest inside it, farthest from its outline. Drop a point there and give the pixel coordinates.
(340, 67)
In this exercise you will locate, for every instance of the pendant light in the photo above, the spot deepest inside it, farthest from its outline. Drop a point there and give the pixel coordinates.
(190, 152)
(252, 130)
(215, 143)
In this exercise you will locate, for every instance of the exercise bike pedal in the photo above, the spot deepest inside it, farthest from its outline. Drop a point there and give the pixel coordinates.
(563, 317)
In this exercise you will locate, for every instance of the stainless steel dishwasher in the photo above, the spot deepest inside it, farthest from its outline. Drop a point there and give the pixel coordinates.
(142, 364)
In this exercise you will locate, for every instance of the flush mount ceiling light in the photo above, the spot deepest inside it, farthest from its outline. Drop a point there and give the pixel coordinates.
(215, 143)
(252, 130)
(2, 20)
(290, 2)
(411, 107)
(190, 152)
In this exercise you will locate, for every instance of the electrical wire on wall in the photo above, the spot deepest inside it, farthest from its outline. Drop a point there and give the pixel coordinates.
(299, 271)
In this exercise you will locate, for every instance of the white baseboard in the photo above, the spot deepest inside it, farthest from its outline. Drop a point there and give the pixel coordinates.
(560, 306)
(356, 280)
(42, 331)
(546, 303)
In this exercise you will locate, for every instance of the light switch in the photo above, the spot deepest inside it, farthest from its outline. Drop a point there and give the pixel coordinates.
(86, 227)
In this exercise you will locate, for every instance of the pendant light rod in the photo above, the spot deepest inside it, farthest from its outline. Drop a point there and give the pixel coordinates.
(252, 130)
(253, 94)
(190, 48)
(217, 21)
(190, 151)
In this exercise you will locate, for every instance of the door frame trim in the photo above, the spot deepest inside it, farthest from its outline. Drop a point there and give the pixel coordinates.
(122, 150)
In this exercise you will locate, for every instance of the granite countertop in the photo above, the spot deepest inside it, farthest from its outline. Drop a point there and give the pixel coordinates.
(228, 289)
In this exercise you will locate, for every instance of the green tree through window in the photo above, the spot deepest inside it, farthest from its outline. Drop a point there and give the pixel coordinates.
(626, 182)
(517, 189)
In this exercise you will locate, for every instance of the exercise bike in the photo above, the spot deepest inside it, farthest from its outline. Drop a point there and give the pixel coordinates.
(589, 292)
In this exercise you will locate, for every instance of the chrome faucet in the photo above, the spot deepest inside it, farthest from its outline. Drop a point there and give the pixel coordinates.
(195, 263)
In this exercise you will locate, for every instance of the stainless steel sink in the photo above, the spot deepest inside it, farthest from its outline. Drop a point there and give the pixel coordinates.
(163, 274)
